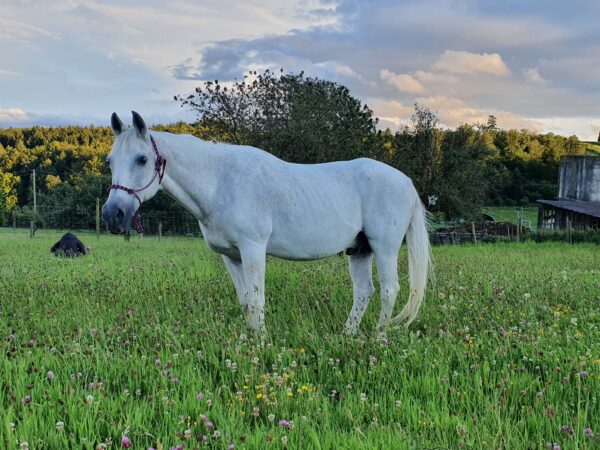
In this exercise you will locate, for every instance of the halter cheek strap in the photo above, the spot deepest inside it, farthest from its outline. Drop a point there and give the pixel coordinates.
(159, 171)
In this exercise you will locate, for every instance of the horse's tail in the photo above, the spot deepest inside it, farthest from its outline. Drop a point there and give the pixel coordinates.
(420, 263)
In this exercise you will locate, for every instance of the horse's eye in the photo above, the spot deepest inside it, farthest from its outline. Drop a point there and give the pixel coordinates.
(142, 160)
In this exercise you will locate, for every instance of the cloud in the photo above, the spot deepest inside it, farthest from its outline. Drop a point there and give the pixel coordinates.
(77, 59)
(9, 73)
(533, 76)
(429, 77)
(12, 114)
(454, 112)
(334, 71)
(340, 69)
(16, 30)
(585, 127)
(403, 82)
(18, 117)
(472, 63)
(391, 110)
(441, 102)
(90, 57)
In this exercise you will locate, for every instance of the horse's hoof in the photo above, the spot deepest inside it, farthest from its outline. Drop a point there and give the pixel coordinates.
(348, 331)
(259, 330)
(381, 334)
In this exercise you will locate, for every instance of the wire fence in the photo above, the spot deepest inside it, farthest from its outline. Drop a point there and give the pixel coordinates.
(88, 218)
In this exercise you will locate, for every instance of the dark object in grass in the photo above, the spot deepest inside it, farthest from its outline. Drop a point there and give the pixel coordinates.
(69, 246)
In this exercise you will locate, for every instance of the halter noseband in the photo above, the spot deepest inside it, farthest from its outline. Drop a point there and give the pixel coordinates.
(159, 170)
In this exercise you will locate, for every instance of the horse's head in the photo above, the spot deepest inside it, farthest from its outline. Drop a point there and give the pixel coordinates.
(136, 173)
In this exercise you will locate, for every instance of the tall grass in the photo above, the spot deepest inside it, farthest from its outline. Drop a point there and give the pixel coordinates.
(145, 340)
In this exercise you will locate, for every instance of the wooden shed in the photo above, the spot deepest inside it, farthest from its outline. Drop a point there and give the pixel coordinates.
(560, 214)
(578, 202)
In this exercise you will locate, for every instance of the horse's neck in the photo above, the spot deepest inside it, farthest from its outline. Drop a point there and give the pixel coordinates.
(190, 173)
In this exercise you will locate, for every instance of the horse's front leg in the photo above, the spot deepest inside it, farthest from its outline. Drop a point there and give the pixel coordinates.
(234, 267)
(253, 268)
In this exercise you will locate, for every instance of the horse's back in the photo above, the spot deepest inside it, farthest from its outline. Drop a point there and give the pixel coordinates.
(376, 183)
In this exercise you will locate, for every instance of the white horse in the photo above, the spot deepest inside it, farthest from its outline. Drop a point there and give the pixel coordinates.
(250, 203)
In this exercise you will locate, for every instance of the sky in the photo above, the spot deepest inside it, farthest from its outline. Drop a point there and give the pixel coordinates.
(533, 64)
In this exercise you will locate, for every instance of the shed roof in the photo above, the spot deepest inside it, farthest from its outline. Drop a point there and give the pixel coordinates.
(578, 206)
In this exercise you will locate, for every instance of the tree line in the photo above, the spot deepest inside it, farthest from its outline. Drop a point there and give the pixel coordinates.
(304, 120)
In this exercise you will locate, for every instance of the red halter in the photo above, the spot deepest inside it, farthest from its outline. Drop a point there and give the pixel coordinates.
(159, 170)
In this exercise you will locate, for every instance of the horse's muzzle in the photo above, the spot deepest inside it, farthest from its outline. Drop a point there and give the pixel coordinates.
(116, 219)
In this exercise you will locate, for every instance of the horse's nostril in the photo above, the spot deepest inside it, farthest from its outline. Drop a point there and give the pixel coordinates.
(120, 214)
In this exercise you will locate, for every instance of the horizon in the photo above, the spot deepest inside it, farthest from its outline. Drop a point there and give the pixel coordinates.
(533, 66)
(168, 124)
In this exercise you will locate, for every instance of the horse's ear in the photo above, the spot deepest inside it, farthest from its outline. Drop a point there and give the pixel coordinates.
(139, 125)
(116, 124)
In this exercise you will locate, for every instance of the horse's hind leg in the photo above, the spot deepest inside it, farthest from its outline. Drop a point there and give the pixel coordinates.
(387, 270)
(253, 267)
(361, 269)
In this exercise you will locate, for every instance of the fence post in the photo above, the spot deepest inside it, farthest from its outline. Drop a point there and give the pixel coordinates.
(474, 234)
(34, 194)
(521, 220)
(568, 230)
(14, 222)
(97, 216)
(32, 223)
(518, 226)
(159, 230)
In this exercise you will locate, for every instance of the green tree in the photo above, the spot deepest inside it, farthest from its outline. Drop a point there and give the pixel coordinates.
(300, 119)
(492, 123)
(448, 165)
(8, 191)
(463, 181)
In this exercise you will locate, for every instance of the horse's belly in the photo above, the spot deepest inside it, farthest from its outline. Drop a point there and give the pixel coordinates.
(324, 219)
(311, 243)
(305, 252)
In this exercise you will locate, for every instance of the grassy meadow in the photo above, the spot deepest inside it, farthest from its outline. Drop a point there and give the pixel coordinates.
(510, 214)
(142, 344)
